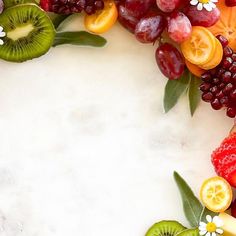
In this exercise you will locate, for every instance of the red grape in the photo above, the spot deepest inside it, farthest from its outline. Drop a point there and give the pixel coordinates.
(170, 61)
(150, 28)
(126, 19)
(138, 8)
(168, 5)
(230, 3)
(179, 27)
(202, 18)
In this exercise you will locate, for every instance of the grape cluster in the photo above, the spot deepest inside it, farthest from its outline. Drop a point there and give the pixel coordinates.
(74, 6)
(219, 84)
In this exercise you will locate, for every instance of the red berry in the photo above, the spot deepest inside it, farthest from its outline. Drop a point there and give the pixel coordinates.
(224, 159)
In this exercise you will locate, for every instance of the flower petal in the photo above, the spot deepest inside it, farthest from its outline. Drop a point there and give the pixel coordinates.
(217, 220)
(194, 2)
(214, 1)
(1, 42)
(213, 234)
(219, 231)
(209, 218)
(200, 6)
(2, 34)
(213, 5)
(203, 232)
(208, 234)
(207, 7)
(1, 28)
(202, 224)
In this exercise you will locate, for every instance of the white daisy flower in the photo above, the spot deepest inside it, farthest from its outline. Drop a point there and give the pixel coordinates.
(207, 4)
(212, 227)
(2, 35)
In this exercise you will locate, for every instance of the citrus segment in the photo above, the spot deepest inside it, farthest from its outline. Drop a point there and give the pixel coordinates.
(200, 47)
(226, 25)
(103, 20)
(194, 69)
(216, 194)
(216, 59)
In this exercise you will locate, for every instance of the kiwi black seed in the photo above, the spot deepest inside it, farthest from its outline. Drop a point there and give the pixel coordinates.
(29, 33)
(189, 232)
(165, 228)
(11, 3)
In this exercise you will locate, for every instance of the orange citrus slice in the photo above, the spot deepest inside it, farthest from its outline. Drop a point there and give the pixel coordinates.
(216, 59)
(226, 25)
(216, 194)
(200, 47)
(103, 20)
(194, 69)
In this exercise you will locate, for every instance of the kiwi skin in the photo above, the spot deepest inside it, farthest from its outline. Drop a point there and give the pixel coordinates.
(165, 228)
(189, 232)
(11, 3)
(36, 43)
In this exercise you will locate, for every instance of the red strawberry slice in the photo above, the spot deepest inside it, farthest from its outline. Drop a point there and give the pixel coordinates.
(224, 159)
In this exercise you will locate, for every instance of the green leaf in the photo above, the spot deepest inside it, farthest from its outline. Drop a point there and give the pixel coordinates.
(192, 206)
(174, 89)
(194, 94)
(206, 212)
(79, 38)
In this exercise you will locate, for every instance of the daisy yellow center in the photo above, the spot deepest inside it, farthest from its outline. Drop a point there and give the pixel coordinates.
(211, 227)
(203, 1)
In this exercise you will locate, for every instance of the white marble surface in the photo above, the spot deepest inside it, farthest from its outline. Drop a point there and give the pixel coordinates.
(85, 148)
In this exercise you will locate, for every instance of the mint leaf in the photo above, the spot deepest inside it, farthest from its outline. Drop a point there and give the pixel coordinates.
(174, 89)
(79, 38)
(192, 206)
(206, 212)
(194, 94)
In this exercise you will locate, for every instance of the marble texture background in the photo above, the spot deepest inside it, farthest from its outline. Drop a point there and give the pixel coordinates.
(85, 148)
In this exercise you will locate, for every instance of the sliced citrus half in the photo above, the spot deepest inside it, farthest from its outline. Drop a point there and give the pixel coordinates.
(194, 69)
(216, 59)
(200, 47)
(226, 25)
(216, 194)
(103, 20)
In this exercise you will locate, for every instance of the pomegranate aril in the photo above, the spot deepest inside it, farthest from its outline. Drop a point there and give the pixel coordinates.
(224, 41)
(149, 29)
(205, 87)
(226, 77)
(179, 27)
(216, 105)
(170, 61)
(231, 112)
(227, 51)
(207, 97)
(202, 18)
(233, 67)
(206, 77)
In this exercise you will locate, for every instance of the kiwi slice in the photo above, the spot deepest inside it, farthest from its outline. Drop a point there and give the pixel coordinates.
(165, 228)
(10, 3)
(29, 33)
(189, 232)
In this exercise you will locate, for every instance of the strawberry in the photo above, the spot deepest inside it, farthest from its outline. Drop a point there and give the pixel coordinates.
(224, 159)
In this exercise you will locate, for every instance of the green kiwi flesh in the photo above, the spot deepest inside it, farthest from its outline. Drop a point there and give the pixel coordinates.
(189, 232)
(29, 33)
(165, 228)
(11, 3)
